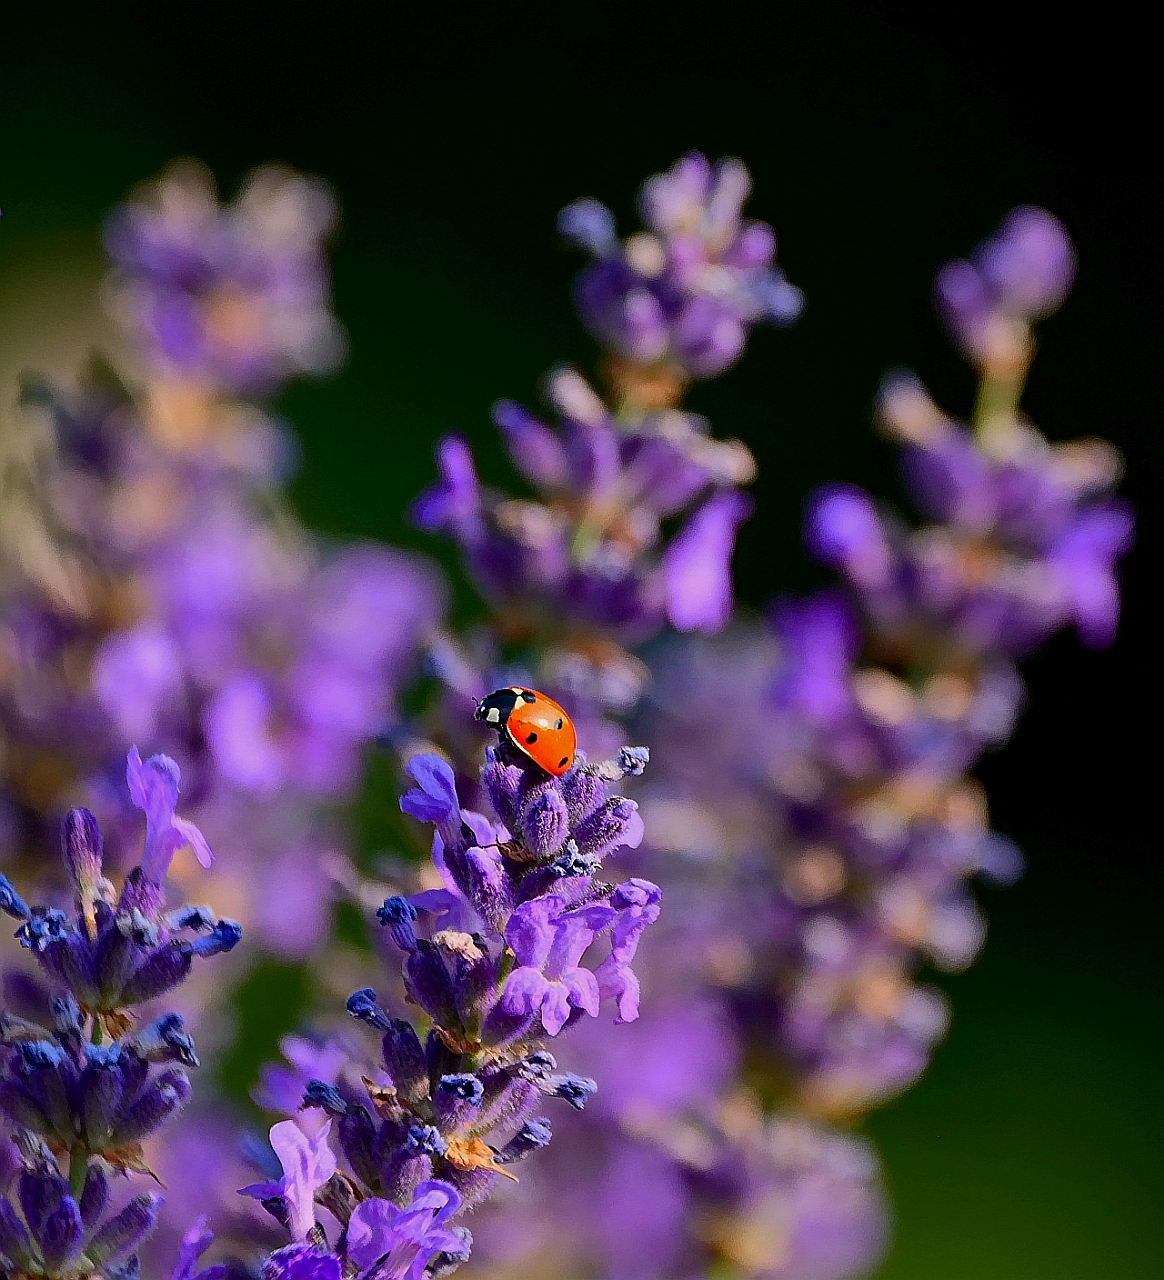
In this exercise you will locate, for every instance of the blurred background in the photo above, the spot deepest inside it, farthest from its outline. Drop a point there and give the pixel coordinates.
(883, 140)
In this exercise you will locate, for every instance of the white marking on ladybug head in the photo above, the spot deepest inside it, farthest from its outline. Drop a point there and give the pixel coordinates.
(492, 716)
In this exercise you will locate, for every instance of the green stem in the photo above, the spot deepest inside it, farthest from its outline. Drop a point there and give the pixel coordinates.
(78, 1168)
(95, 1036)
(998, 397)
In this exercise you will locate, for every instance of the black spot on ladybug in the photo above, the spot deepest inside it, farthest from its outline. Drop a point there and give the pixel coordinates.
(527, 697)
(558, 723)
(531, 738)
(565, 760)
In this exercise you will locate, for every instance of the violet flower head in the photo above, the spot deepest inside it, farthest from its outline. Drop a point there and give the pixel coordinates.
(589, 557)
(683, 294)
(87, 1085)
(233, 295)
(1020, 275)
(1023, 540)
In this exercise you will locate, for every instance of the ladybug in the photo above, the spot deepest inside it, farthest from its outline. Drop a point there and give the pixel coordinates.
(535, 724)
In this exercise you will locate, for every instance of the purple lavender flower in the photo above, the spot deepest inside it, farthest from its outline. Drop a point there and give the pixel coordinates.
(85, 1087)
(548, 941)
(235, 295)
(400, 1244)
(1020, 275)
(308, 1163)
(495, 959)
(588, 561)
(153, 788)
(683, 294)
(1024, 541)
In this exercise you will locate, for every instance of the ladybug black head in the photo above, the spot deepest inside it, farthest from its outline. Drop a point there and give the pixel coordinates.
(495, 709)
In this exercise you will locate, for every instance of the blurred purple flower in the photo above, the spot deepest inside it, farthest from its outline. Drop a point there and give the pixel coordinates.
(234, 294)
(687, 290)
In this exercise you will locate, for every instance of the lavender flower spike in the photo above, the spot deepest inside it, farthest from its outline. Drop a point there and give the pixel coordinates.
(495, 960)
(685, 292)
(82, 1093)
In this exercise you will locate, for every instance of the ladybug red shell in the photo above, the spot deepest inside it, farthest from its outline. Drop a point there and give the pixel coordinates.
(535, 724)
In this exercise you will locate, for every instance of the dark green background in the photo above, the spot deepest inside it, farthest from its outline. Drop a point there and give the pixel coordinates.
(884, 139)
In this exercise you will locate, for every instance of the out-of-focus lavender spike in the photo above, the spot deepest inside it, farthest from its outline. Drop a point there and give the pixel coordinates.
(236, 295)
(684, 293)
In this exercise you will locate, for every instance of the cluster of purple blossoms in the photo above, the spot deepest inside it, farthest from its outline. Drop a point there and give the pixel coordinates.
(679, 297)
(159, 590)
(522, 941)
(637, 505)
(817, 856)
(588, 560)
(186, 607)
(82, 1086)
(1023, 541)
(236, 296)
(823, 850)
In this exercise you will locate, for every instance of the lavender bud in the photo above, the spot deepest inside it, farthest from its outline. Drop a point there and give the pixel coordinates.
(15, 1242)
(458, 1099)
(537, 1065)
(224, 937)
(95, 1194)
(46, 1072)
(576, 1090)
(532, 1136)
(165, 1040)
(44, 926)
(99, 1093)
(11, 902)
(60, 1235)
(338, 1197)
(40, 1193)
(411, 1163)
(114, 958)
(319, 1093)
(137, 928)
(501, 781)
(199, 919)
(81, 847)
(162, 970)
(126, 1230)
(629, 763)
(405, 1061)
(430, 985)
(605, 829)
(572, 863)
(423, 1139)
(66, 1015)
(397, 916)
(633, 761)
(362, 1004)
(162, 1096)
(18, 1104)
(357, 1138)
(545, 823)
(583, 793)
